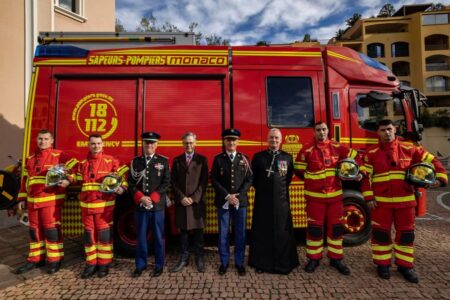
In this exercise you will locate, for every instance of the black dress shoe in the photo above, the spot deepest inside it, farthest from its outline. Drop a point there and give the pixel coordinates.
(340, 266)
(29, 266)
(102, 271)
(137, 272)
(312, 265)
(241, 270)
(89, 270)
(200, 263)
(259, 271)
(53, 267)
(408, 274)
(383, 272)
(222, 269)
(179, 266)
(157, 272)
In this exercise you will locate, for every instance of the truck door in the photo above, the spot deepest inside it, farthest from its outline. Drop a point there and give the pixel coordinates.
(87, 106)
(174, 106)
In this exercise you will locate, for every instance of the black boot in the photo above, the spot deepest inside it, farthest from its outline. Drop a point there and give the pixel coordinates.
(312, 265)
(383, 272)
(199, 262)
(183, 262)
(89, 270)
(408, 274)
(29, 266)
(102, 271)
(340, 266)
(53, 267)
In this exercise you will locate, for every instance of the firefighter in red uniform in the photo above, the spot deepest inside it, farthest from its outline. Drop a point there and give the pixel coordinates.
(44, 204)
(97, 206)
(316, 163)
(392, 199)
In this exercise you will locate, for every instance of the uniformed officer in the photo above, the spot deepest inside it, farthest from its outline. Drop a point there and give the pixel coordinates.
(231, 177)
(148, 182)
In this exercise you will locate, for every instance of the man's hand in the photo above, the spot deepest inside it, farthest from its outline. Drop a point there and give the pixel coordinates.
(146, 201)
(234, 200)
(21, 205)
(120, 190)
(186, 201)
(435, 184)
(372, 204)
(64, 183)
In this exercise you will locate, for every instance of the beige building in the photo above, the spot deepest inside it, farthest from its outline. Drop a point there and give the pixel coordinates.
(413, 43)
(21, 22)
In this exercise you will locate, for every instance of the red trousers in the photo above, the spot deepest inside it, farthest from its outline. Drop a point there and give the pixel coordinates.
(403, 218)
(98, 242)
(319, 213)
(45, 234)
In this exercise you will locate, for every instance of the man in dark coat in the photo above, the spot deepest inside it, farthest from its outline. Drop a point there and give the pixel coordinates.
(189, 181)
(272, 244)
(148, 182)
(231, 177)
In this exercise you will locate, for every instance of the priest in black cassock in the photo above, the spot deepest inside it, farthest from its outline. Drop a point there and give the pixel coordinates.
(272, 244)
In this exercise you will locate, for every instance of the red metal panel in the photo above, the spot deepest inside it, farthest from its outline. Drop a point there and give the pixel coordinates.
(99, 106)
(175, 106)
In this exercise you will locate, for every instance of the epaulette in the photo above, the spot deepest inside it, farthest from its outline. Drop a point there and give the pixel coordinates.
(335, 144)
(309, 149)
(406, 145)
(160, 155)
(373, 150)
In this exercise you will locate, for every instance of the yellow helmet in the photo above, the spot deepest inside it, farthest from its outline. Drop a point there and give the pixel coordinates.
(347, 169)
(421, 174)
(110, 183)
(54, 175)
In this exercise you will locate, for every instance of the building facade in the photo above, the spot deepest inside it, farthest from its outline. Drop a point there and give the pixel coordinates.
(413, 43)
(22, 20)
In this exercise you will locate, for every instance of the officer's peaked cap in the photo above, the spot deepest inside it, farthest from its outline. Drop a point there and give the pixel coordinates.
(232, 133)
(150, 136)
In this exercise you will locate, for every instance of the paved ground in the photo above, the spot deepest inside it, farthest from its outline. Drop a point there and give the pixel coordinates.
(432, 264)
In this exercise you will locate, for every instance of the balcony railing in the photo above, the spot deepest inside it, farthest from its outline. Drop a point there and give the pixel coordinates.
(437, 66)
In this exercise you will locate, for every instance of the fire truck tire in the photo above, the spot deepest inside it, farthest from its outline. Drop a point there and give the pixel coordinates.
(9, 189)
(357, 219)
(125, 232)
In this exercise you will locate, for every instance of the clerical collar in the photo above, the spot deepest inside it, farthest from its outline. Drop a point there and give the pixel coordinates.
(189, 154)
(273, 152)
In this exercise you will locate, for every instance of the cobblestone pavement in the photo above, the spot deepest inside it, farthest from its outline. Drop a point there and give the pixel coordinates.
(432, 265)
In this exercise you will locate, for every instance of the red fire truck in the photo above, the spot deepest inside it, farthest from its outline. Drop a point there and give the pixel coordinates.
(122, 92)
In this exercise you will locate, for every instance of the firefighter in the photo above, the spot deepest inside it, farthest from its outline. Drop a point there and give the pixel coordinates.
(316, 164)
(392, 199)
(97, 201)
(148, 183)
(44, 204)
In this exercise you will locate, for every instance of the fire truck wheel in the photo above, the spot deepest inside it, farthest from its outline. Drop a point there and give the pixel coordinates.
(125, 232)
(356, 219)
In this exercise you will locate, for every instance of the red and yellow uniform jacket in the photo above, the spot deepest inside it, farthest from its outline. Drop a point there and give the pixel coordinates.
(316, 164)
(385, 166)
(33, 189)
(91, 172)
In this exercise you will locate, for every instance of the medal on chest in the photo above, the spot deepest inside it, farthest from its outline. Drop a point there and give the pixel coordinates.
(282, 167)
(159, 167)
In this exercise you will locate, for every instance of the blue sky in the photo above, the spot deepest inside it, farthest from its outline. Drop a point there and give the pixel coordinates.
(248, 21)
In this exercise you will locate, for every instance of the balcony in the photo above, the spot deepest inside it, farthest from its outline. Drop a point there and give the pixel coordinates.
(436, 42)
(438, 84)
(437, 63)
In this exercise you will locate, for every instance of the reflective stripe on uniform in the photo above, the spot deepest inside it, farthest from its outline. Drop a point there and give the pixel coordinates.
(314, 243)
(300, 166)
(383, 177)
(97, 205)
(54, 246)
(382, 247)
(382, 257)
(72, 162)
(314, 251)
(442, 176)
(88, 249)
(427, 157)
(122, 170)
(330, 172)
(104, 255)
(36, 253)
(35, 245)
(405, 249)
(87, 188)
(46, 199)
(320, 195)
(334, 242)
(395, 199)
(105, 247)
(404, 257)
(367, 193)
(55, 254)
(352, 153)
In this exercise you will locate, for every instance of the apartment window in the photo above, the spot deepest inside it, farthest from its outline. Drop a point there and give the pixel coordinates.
(437, 84)
(400, 49)
(437, 63)
(375, 50)
(400, 68)
(74, 6)
(435, 19)
(405, 83)
(290, 102)
(436, 42)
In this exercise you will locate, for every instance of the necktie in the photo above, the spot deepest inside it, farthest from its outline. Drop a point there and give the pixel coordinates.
(231, 157)
(188, 159)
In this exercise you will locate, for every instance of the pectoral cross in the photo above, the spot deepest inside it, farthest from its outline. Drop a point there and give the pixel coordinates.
(269, 171)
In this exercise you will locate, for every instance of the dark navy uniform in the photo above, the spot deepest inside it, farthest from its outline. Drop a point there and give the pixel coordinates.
(149, 176)
(231, 175)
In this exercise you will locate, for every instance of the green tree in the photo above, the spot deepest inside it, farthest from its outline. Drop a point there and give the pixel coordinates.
(263, 43)
(119, 26)
(436, 6)
(213, 39)
(351, 21)
(148, 24)
(339, 34)
(307, 37)
(386, 11)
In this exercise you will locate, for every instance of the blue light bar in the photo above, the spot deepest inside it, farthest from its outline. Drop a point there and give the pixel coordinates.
(60, 51)
(373, 63)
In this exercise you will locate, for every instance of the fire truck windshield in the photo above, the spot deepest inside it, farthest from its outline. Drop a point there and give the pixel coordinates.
(373, 63)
